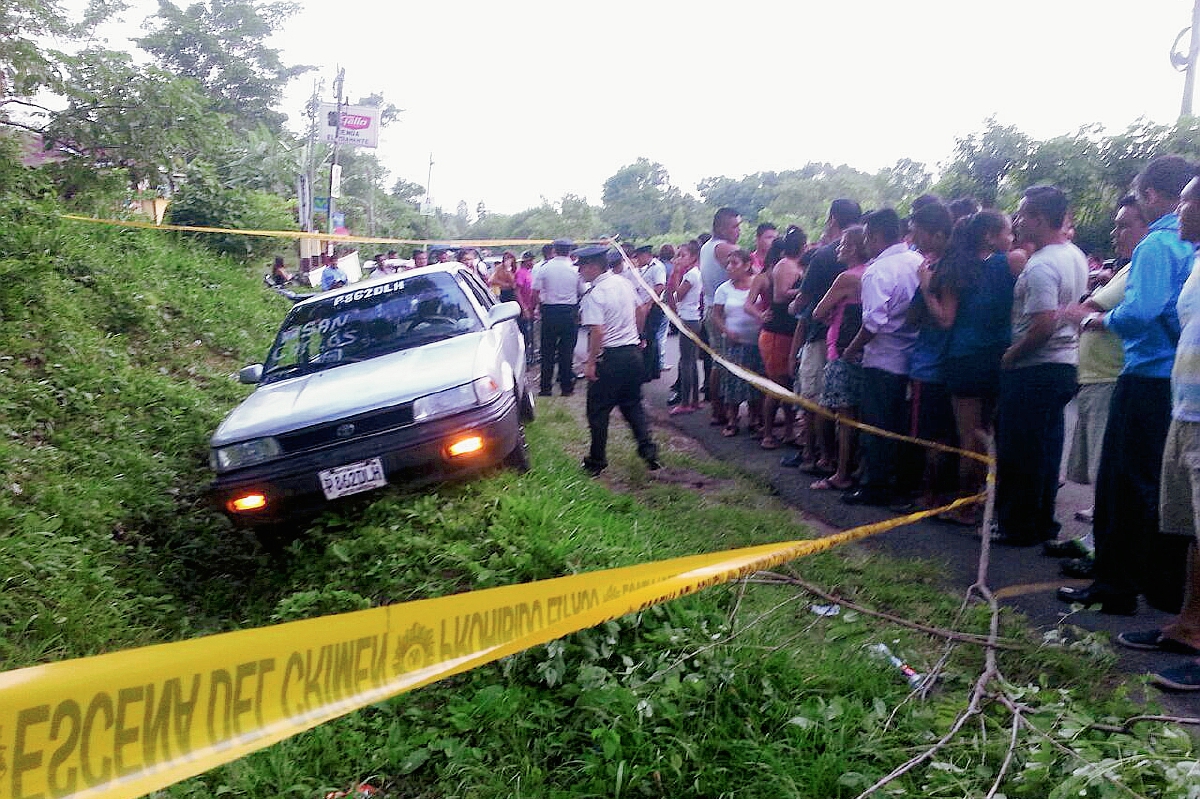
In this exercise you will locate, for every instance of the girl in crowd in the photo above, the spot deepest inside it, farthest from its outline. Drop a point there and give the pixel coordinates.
(685, 299)
(523, 281)
(974, 303)
(841, 310)
(932, 411)
(504, 279)
(279, 274)
(773, 290)
(740, 323)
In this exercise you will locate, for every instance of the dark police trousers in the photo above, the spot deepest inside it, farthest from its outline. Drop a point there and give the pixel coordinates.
(559, 331)
(618, 384)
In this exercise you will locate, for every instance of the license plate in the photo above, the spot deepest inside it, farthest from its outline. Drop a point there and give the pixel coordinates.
(352, 478)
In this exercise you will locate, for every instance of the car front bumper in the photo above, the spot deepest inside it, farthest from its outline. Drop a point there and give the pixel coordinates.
(412, 456)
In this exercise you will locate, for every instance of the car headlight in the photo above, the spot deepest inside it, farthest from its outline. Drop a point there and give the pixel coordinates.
(487, 388)
(245, 453)
(478, 392)
(452, 400)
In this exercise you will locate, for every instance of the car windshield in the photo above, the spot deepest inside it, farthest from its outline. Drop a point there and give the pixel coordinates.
(371, 321)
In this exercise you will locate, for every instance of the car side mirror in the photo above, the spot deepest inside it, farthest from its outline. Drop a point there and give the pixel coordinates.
(250, 375)
(502, 312)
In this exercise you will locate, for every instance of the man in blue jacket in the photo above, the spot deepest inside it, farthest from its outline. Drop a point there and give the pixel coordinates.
(1127, 485)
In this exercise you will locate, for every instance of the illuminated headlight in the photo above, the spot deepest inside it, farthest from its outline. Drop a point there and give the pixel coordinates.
(247, 453)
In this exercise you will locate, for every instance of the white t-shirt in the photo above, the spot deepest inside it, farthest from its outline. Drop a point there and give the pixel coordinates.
(1055, 277)
(688, 306)
(742, 326)
(655, 274)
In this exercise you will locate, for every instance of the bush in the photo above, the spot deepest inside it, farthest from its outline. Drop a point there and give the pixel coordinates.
(204, 202)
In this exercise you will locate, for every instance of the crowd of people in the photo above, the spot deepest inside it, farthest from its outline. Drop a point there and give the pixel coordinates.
(963, 326)
(954, 324)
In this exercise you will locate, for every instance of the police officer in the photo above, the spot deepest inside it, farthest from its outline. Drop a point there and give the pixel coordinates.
(614, 363)
(556, 288)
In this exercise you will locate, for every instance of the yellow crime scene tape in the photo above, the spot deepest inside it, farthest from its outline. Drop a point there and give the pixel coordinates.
(127, 723)
(131, 722)
(302, 234)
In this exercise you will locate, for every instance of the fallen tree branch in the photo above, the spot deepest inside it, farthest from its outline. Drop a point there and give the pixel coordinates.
(1127, 725)
(775, 578)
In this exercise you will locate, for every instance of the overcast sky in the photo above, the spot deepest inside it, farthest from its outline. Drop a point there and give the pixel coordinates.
(527, 99)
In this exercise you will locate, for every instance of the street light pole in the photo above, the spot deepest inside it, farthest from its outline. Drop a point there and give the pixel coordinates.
(1186, 63)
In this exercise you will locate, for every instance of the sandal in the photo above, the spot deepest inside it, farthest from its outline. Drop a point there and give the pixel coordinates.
(730, 431)
(827, 484)
(769, 442)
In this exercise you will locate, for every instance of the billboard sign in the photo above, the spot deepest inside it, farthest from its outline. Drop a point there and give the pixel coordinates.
(359, 124)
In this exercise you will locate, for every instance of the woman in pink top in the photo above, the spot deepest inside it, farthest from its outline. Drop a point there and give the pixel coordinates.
(523, 280)
(841, 309)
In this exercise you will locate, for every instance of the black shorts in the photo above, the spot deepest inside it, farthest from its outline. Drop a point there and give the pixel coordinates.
(975, 375)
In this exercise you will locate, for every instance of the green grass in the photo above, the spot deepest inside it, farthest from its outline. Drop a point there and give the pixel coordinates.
(117, 354)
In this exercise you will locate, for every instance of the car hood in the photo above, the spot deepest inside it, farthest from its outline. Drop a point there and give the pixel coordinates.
(355, 388)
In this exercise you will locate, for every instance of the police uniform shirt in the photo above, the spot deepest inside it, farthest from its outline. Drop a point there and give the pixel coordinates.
(611, 302)
(654, 273)
(557, 282)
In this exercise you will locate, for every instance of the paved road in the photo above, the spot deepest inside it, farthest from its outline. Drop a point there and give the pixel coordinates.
(1027, 578)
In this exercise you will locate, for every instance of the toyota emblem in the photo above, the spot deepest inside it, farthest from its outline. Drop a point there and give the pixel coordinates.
(345, 430)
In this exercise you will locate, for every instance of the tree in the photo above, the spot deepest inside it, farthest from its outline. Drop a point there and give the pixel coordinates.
(983, 160)
(141, 119)
(221, 44)
(26, 65)
(639, 200)
(903, 181)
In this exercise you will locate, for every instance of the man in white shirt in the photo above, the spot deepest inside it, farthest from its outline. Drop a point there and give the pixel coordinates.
(714, 257)
(609, 311)
(556, 291)
(655, 275)
(884, 343)
(1038, 372)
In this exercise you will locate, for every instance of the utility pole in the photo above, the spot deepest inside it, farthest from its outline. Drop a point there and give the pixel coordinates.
(429, 177)
(1186, 62)
(335, 168)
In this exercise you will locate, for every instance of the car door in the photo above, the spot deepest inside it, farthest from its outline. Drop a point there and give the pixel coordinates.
(512, 343)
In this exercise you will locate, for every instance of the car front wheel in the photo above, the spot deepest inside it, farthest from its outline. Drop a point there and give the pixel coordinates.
(526, 404)
(518, 459)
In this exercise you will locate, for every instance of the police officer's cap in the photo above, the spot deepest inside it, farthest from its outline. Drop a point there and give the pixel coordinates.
(591, 252)
(615, 257)
(645, 249)
(563, 244)
(527, 255)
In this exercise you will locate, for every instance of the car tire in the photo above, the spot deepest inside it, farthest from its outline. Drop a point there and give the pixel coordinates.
(275, 538)
(528, 411)
(518, 459)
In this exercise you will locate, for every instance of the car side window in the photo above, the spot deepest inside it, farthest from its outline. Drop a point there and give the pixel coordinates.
(471, 284)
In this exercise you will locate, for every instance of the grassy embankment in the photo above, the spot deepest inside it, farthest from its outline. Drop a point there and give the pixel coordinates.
(118, 349)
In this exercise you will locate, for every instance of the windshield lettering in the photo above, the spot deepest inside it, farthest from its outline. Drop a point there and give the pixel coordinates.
(362, 294)
(369, 322)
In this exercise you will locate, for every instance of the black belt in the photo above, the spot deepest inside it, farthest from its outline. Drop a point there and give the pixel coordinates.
(622, 347)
